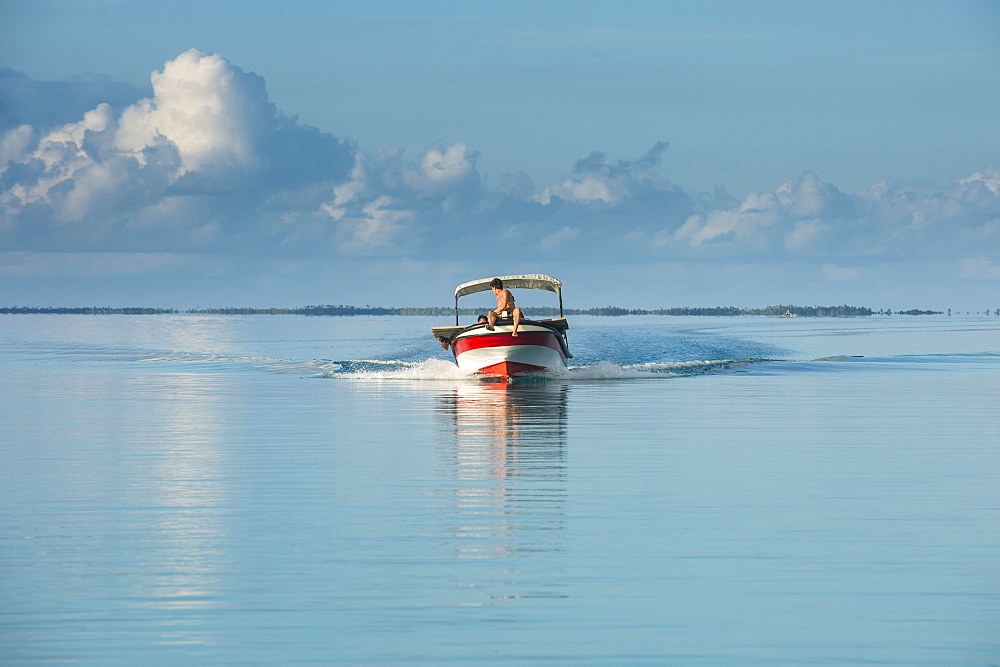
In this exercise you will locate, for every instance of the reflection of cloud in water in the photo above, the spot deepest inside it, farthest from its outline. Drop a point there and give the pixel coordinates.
(506, 447)
(185, 464)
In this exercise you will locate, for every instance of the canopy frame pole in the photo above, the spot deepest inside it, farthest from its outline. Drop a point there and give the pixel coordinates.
(456, 310)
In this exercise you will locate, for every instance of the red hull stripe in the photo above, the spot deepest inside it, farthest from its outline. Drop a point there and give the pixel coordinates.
(511, 369)
(540, 338)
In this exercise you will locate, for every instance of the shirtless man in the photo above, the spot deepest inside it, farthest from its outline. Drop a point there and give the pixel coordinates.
(505, 301)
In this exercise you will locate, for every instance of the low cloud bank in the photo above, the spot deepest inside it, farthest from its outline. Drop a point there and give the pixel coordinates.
(207, 165)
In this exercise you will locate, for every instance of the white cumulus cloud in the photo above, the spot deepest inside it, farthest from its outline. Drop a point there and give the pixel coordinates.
(441, 169)
(581, 190)
(795, 208)
(200, 160)
(212, 112)
(989, 179)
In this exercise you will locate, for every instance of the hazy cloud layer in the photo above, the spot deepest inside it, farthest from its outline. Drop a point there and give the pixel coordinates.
(206, 164)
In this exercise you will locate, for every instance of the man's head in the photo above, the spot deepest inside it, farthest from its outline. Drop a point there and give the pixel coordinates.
(496, 283)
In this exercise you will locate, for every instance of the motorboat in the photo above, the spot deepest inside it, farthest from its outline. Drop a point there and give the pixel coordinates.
(541, 345)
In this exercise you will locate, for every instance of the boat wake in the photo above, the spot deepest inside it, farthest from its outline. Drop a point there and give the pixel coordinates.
(414, 369)
(371, 369)
(607, 370)
(438, 369)
(212, 362)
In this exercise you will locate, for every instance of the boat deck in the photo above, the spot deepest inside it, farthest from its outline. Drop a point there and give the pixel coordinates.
(446, 334)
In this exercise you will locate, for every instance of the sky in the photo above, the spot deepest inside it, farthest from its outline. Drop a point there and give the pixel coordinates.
(648, 154)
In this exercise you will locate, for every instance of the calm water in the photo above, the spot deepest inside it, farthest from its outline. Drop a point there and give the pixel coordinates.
(696, 490)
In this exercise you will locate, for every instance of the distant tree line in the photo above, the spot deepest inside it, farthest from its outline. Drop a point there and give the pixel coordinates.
(89, 310)
(606, 311)
(732, 311)
(327, 310)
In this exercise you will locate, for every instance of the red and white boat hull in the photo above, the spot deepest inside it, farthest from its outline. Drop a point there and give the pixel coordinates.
(535, 349)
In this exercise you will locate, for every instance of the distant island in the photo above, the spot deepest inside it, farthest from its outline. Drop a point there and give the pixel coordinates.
(606, 311)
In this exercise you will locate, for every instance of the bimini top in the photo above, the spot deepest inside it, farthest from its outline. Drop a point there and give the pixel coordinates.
(526, 281)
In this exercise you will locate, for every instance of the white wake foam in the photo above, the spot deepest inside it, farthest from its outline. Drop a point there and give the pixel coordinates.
(688, 366)
(429, 369)
(604, 370)
(439, 369)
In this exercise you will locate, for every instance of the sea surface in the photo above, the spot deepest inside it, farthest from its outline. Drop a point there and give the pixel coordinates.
(290, 489)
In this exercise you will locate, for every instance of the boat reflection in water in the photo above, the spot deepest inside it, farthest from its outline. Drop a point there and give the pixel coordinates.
(506, 446)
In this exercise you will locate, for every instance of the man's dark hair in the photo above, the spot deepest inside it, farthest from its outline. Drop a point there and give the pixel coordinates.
(496, 282)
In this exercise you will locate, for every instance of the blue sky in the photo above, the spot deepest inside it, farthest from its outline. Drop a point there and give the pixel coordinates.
(727, 153)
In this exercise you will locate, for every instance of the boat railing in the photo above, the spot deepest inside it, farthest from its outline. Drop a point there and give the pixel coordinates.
(448, 333)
